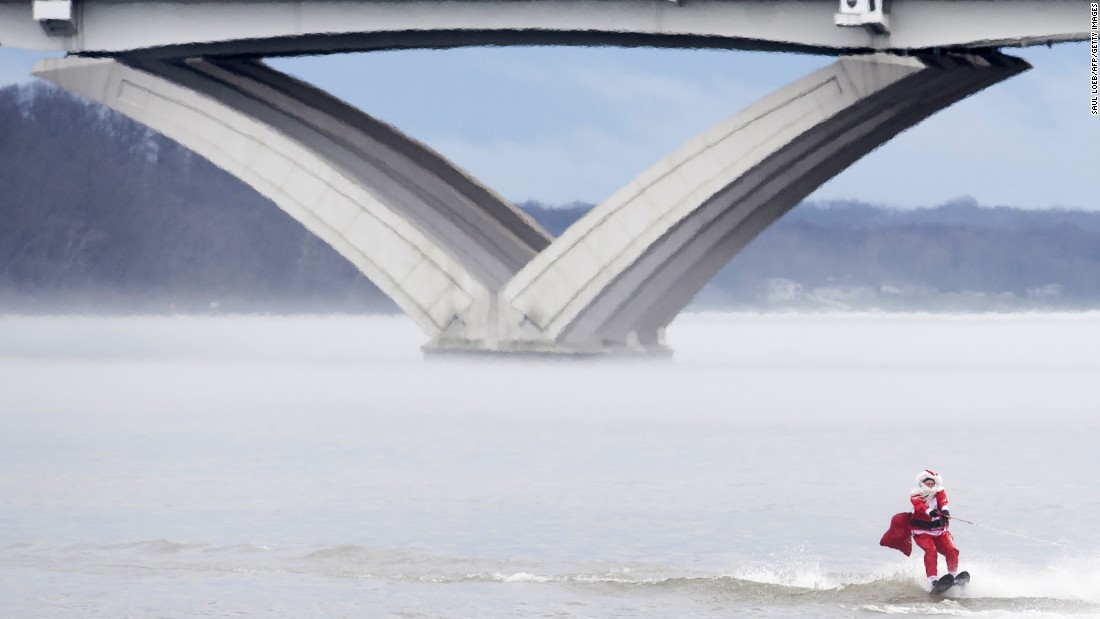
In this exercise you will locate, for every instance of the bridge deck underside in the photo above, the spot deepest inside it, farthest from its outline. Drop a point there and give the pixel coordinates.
(176, 29)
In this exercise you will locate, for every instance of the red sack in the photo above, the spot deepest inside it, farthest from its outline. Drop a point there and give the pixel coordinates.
(899, 536)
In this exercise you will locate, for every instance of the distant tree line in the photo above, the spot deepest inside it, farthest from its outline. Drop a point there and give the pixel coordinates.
(99, 214)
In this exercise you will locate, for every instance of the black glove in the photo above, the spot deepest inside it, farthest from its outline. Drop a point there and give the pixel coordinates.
(945, 515)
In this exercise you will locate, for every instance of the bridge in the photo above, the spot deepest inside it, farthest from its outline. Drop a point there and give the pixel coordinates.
(475, 272)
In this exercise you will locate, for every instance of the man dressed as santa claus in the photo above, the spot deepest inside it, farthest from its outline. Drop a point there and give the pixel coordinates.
(929, 526)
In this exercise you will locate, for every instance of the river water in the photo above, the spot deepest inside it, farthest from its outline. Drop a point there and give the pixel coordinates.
(319, 466)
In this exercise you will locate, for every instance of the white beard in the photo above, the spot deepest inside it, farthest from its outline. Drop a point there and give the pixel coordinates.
(926, 492)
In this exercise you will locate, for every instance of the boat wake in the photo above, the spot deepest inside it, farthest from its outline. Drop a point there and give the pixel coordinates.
(996, 590)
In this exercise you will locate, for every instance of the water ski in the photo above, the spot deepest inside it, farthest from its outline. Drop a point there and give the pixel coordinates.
(943, 584)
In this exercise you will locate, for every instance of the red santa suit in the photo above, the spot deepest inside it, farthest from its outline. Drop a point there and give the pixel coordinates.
(929, 527)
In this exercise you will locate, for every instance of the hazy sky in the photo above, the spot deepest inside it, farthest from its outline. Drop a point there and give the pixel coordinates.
(566, 124)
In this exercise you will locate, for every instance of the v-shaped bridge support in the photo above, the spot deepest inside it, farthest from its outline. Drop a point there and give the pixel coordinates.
(475, 272)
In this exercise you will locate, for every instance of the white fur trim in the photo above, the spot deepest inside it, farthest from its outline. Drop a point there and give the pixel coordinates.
(927, 474)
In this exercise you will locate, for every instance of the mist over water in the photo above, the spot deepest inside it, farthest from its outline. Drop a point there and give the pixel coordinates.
(275, 466)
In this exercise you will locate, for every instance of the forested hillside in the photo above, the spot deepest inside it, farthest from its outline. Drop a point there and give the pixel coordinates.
(97, 214)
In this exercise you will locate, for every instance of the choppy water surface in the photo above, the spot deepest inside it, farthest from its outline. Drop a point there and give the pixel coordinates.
(318, 466)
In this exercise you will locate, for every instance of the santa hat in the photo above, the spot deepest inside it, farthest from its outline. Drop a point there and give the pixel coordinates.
(929, 474)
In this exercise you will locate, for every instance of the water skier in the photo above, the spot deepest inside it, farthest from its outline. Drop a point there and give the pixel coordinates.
(929, 525)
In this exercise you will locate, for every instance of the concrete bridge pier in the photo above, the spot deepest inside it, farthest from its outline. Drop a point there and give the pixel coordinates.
(617, 277)
(434, 240)
(474, 272)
